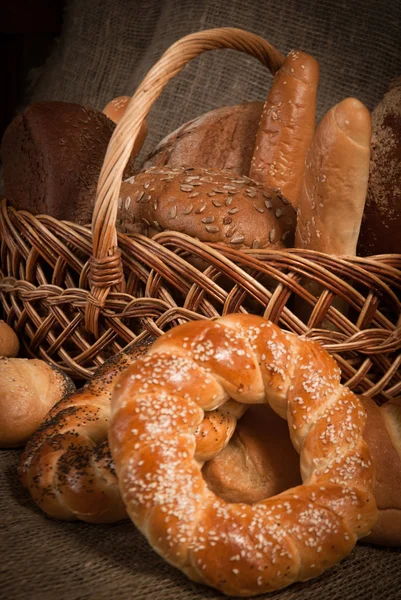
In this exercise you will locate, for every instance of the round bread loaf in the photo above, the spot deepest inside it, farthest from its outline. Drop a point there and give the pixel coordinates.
(29, 388)
(213, 206)
(52, 154)
(381, 223)
(9, 343)
(220, 139)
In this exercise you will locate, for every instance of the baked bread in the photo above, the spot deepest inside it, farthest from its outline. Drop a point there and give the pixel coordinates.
(9, 343)
(210, 205)
(287, 126)
(333, 193)
(157, 405)
(260, 461)
(67, 466)
(29, 388)
(381, 223)
(220, 139)
(115, 109)
(52, 155)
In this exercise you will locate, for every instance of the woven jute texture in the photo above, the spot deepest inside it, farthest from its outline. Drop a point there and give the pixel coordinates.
(107, 47)
(43, 559)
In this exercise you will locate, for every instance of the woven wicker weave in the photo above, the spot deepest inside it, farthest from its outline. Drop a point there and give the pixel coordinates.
(76, 295)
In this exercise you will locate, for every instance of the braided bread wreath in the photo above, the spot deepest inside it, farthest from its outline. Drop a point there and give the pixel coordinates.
(241, 549)
(67, 466)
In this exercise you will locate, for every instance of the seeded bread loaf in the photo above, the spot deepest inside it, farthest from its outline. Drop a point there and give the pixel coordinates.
(52, 155)
(212, 206)
(220, 139)
(381, 223)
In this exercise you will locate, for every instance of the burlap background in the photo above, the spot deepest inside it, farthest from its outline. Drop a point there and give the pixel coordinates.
(50, 560)
(105, 50)
(109, 45)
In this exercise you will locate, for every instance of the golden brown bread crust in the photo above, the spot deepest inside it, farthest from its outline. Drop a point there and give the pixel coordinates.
(67, 466)
(260, 461)
(212, 206)
(29, 388)
(9, 343)
(383, 435)
(215, 430)
(220, 139)
(286, 126)
(332, 198)
(237, 548)
(115, 109)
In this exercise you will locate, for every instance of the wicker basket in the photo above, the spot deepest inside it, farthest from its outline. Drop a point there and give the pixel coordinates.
(76, 295)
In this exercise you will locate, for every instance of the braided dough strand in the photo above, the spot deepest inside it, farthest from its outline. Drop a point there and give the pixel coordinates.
(237, 548)
(67, 465)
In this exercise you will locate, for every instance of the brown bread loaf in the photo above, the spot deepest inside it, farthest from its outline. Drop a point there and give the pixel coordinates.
(52, 154)
(381, 223)
(211, 205)
(220, 139)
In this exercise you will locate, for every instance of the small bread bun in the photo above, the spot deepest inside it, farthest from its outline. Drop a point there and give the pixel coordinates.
(29, 388)
(115, 109)
(9, 343)
(211, 205)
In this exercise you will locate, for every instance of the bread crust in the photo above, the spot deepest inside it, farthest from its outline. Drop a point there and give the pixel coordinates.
(286, 126)
(210, 205)
(239, 549)
(29, 388)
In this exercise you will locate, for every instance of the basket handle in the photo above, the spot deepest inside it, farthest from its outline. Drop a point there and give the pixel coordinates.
(105, 268)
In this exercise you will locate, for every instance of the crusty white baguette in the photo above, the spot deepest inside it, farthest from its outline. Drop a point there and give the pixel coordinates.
(29, 388)
(287, 126)
(333, 193)
(242, 550)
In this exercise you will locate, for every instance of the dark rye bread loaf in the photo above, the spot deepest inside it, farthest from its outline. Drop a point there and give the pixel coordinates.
(52, 155)
(381, 223)
(220, 139)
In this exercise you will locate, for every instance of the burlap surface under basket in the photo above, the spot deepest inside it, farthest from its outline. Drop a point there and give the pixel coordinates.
(44, 559)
